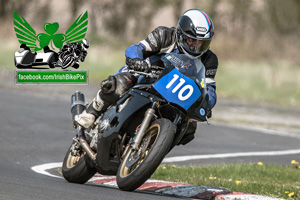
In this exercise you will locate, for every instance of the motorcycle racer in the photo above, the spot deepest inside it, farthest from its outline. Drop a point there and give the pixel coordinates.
(192, 37)
(76, 50)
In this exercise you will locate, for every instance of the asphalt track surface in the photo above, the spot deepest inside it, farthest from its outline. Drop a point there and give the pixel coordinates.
(38, 130)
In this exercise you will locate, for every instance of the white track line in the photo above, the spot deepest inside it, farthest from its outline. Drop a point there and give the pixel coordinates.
(42, 169)
(231, 155)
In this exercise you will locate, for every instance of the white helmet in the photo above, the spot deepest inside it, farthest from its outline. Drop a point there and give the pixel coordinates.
(85, 44)
(195, 31)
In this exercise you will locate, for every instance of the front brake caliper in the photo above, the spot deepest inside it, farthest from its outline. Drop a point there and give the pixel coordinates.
(75, 148)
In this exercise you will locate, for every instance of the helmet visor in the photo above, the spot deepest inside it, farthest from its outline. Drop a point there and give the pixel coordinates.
(194, 46)
(84, 46)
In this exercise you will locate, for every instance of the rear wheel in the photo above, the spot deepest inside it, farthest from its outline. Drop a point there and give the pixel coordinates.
(139, 165)
(76, 168)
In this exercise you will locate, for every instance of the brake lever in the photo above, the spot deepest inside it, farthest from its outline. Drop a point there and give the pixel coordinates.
(139, 72)
(151, 74)
(156, 72)
(155, 67)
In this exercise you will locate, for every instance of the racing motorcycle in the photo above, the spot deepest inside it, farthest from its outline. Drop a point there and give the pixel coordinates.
(68, 59)
(133, 136)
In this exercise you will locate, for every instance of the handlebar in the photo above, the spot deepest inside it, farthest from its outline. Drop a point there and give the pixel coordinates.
(154, 71)
(156, 67)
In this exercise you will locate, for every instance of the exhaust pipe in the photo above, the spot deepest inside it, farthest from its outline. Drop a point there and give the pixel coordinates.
(84, 144)
(87, 149)
(77, 104)
(77, 107)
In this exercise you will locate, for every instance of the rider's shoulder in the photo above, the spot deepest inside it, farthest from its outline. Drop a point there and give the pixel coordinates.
(164, 31)
(161, 37)
(165, 28)
(210, 59)
(211, 54)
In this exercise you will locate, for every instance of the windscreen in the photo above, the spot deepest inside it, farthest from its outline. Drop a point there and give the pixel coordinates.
(190, 67)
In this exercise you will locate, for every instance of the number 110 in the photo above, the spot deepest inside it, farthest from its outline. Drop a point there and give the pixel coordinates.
(182, 90)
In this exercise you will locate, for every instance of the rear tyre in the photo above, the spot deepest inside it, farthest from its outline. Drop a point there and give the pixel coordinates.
(138, 166)
(76, 169)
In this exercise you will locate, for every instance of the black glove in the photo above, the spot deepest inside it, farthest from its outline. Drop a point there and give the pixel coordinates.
(137, 64)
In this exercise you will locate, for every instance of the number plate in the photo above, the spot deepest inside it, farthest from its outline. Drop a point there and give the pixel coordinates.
(178, 89)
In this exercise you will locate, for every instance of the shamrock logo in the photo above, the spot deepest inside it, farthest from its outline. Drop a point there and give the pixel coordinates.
(44, 39)
(27, 35)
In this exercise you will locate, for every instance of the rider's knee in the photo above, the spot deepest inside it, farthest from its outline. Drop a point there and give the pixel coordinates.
(116, 86)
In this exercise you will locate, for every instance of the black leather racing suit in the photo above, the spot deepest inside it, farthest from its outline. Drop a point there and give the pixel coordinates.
(163, 40)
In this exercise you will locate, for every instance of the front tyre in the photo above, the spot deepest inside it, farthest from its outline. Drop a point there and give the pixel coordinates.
(139, 165)
(76, 168)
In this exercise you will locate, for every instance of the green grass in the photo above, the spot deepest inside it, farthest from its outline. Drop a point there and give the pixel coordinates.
(267, 180)
(260, 179)
(262, 82)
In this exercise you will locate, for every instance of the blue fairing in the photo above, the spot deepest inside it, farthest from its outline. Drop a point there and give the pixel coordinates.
(158, 57)
(178, 89)
(136, 51)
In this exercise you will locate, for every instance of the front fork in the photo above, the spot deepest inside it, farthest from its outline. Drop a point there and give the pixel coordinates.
(149, 114)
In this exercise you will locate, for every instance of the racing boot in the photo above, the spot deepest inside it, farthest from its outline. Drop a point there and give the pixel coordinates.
(87, 118)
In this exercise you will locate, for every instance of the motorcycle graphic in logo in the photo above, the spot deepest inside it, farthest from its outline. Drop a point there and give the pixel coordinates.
(68, 55)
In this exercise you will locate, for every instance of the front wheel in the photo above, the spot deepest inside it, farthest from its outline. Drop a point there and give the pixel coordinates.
(76, 168)
(139, 165)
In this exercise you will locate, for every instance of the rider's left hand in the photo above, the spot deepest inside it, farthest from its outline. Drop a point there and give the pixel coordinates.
(137, 64)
